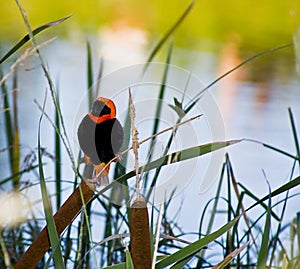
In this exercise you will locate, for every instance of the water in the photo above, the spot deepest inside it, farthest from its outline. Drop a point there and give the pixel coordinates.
(241, 108)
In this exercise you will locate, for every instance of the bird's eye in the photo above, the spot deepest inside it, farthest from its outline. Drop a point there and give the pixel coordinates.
(99, 109)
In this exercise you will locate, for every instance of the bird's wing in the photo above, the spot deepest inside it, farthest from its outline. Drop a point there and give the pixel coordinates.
(86, 136)
(117, 136)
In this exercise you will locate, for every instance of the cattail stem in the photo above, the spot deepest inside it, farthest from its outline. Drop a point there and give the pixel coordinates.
(135, 143)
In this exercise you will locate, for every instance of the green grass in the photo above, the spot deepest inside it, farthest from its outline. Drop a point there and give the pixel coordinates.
(228, 228)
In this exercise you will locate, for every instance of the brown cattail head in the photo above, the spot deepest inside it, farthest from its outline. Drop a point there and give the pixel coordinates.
(140, 234)
(64, 216)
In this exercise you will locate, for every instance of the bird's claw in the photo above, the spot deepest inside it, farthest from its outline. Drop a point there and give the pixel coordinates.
(100, 175)
(119, 157)
(99, 182)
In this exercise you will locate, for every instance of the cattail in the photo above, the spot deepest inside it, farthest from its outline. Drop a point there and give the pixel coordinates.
(62, 218)
(140, 234)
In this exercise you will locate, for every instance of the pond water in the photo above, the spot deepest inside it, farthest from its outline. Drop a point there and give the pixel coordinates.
(250, 103)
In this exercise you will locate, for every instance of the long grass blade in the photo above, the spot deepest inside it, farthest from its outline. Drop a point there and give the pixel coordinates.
(181, 263)
(238, 195)
(53, 236)
(129, 263)
(285, 187)
(229, 236)
(26, 38)
(5, 253)
(198, 96)
(264, 248)
(157, 233)
(8, 122)
(99, 76)
(16, 135)
(169, 33)
(215, 204)
(107, 232)
(295, 136)
(230, 257)
(89, 75)
(158, 111)
(280, 151)
(298, 229)
(162, 92)
(255, 198)
(178, 156)
(276, 238)
(117, 266)
(57, 143)
(50, 83)
(190, 153)
(83, 253)
(84, 233)
(212, 214)
(195, 246)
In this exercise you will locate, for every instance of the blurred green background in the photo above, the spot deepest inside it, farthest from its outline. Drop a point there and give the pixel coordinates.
(258, 24)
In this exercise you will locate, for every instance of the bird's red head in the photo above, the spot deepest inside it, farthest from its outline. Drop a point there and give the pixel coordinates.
(103, 109)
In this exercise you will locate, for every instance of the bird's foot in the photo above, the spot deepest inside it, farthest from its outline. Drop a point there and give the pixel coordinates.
(119, 157)
(100, 175)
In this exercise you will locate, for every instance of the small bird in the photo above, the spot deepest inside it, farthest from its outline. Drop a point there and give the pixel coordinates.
(100, 137)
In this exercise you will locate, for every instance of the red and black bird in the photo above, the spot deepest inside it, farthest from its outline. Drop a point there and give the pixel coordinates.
(100, 135)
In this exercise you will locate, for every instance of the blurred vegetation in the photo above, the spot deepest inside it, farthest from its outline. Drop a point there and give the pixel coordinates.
(258, 25)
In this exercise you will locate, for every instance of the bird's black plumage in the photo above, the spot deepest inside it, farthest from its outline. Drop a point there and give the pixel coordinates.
(100, 141)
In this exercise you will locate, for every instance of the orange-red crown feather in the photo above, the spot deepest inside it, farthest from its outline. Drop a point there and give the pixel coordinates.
(110, 104)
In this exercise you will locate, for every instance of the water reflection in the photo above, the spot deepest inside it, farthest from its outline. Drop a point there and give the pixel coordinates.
(228, 88)
(122, 44)
(254, 83)
(253, 109)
